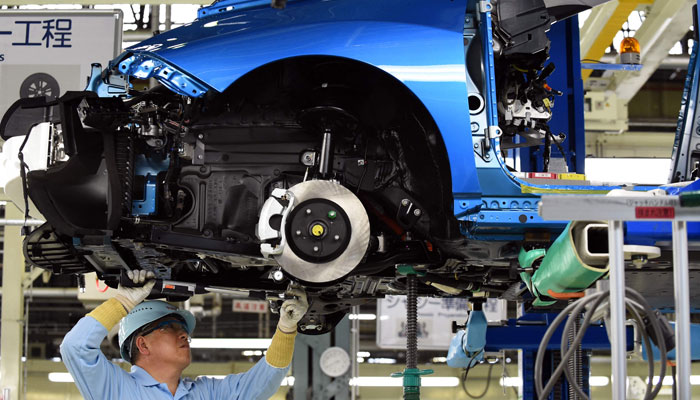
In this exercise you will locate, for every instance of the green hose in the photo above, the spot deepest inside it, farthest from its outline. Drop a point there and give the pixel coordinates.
(561, 271)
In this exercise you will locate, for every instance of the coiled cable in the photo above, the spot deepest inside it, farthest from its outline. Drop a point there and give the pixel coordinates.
(635, 303)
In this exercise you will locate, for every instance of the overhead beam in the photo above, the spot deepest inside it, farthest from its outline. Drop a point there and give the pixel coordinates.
(602, 25)
(666, 23)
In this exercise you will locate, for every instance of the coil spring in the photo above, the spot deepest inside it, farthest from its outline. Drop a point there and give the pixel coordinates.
(411, 323)
(124, 156)
(575, 363)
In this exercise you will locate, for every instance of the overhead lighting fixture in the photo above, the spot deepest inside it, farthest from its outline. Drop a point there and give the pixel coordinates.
(511, 381)
(384, 381)
(381, 361)
(668, 380)
(517, 382)
(221, 343)
(363, 317)
(287, 381)
(363, 354)
(60, 377)
(599, 381)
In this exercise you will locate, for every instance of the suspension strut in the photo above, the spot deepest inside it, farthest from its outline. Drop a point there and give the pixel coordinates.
(411, 374)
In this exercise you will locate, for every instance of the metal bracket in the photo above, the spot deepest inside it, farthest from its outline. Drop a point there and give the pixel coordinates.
(198, 153)
(491, 132)
(469, 21)
(34, 273)
(485, 6)
(280, 202)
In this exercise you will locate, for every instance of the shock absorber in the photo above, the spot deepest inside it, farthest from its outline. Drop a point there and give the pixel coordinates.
(411, 374)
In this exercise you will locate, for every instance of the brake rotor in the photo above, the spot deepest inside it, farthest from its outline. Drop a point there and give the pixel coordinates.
(326, 233)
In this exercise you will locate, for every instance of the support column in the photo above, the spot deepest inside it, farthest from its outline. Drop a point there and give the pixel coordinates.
(618, 351)
(12, 308)
(682, 301)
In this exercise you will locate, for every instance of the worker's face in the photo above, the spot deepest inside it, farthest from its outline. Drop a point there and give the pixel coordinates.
(169, 342)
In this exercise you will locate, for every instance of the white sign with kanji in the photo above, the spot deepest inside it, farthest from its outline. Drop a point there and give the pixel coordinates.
(435, 318)
(250, 306)
(49, 52)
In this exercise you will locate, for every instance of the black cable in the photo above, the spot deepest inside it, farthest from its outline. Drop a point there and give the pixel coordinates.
(564, 347)
(364, 170)
(647, 345)
(559, 147)
(575, 309)
(486, 389)
(660, 342)
(23, 168)
(577, 340)
(547, 152)
(539, 360)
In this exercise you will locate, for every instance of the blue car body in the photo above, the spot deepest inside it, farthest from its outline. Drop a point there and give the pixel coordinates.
(419, 43)
(251, 101)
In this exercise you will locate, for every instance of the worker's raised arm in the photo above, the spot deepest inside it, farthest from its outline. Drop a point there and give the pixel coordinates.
(95, 376)
(265, 378)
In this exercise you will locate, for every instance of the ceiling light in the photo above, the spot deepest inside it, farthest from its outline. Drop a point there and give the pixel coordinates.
(287, 381)
(384, 381)
(60, 377)
(511, 381)
(363, 354)
(598, 381)
(220, 343)
(363, 317)
(381, 360)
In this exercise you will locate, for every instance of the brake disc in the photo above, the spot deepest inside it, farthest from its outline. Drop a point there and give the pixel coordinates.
(324, 231)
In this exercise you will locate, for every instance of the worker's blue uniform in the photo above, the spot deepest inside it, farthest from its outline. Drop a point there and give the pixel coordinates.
(97, 378)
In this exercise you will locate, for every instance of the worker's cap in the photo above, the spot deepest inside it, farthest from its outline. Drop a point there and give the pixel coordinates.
(145, 313)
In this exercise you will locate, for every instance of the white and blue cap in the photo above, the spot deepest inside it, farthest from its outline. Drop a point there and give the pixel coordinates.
(145, 313)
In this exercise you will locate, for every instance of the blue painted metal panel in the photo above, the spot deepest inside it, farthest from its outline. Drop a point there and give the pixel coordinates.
(149, 168)
(528, 337)
(141, 66)
(568, 109)
(687, 115)
(612, 67)
(489, 70)
(652, 232)
(147, 206)
(694, 345)
(419, 42)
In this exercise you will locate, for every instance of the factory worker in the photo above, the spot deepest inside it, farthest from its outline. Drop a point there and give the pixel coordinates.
(154, 338)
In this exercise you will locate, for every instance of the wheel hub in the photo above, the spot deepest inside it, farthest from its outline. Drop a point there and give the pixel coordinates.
(323, 234)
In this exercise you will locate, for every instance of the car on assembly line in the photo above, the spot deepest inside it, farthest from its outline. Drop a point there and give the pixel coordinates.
(321, 143)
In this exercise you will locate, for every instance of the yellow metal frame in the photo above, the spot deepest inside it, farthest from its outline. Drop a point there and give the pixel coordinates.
(622, 11)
